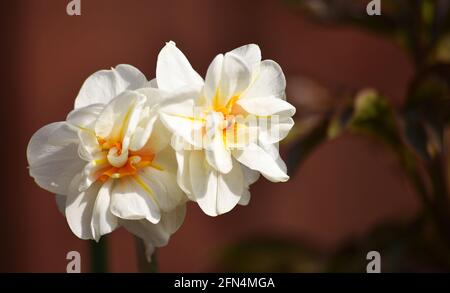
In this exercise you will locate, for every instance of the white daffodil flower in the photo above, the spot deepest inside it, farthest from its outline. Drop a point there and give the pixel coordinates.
(227, 128)
(110, 162)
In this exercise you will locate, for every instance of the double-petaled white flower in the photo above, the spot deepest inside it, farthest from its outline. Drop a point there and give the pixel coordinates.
(110, 162)
(228, 126)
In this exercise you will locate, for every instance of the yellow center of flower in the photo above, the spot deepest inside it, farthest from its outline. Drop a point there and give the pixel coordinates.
(229, 110)
(120, 163)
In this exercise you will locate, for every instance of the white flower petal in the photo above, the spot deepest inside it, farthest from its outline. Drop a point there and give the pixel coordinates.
(183, 174)
(172, 221)
(120, 117)
(173, 70)
(215, 193)
(217, 154)
(203, 182)
(245, 199)
(90, 172)
(156, 235)
(235, 78)
(152, 84)
(250, 176)
(61, 202)
(85, 117)
(250, 54)
(230, 188)
(213, 76)
(166, 160)
(275, 129)
(267, 106)
(79, 207)
(102, 86)
(274, 151)
(161, 184)
(89, 147)
(133, 199)
(53, 159)
(153, 235)
(103, 221)
(158, 140)
(141, 134)
(179, 115)
(256, 158)
(154, 96)
(149, 122)
(39, 148)
(269, 82)
(128, 78)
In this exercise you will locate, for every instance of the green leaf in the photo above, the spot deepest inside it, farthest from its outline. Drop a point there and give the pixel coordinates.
(429, 96)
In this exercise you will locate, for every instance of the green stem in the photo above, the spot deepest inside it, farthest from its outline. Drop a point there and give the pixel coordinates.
(99, 257)
(143, 265)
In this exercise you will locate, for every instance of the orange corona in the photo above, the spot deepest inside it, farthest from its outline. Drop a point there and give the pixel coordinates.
(135, 161)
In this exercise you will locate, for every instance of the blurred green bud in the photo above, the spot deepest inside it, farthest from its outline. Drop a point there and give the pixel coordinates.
(374, 116)
(368, 104)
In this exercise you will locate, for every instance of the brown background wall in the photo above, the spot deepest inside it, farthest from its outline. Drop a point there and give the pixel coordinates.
(346, 186)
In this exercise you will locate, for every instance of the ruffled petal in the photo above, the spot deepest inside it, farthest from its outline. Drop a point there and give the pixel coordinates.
(257, 158)
(173, 70)
(213, 77)
(53, 159)
(133, 199)
(120, 117)
(79, 208)
(103, 221)
(250, 54)
(215, 193)
(235, 78)
(179, 114)
(156, 235)
(268, 82)
(267, 106)
(104, 85)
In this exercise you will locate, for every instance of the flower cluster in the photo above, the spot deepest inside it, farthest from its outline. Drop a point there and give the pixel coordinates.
(133, 151)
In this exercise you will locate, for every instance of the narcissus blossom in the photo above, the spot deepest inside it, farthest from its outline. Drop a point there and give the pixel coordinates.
(227, 127)
(110, 162)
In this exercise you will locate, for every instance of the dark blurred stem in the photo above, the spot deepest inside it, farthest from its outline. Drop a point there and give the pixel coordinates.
(436, 170)
(413, 29)
(436, 204)
(99, 256)
(410, 165)
(440, 194)
(143, 265)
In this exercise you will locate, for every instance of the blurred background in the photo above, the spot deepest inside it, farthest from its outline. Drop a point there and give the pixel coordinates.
(367, 157)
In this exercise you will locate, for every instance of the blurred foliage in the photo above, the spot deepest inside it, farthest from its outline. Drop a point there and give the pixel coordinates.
(418, 134)
(417, 25)
(374, 116)
(266, 254)
(405, 247)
